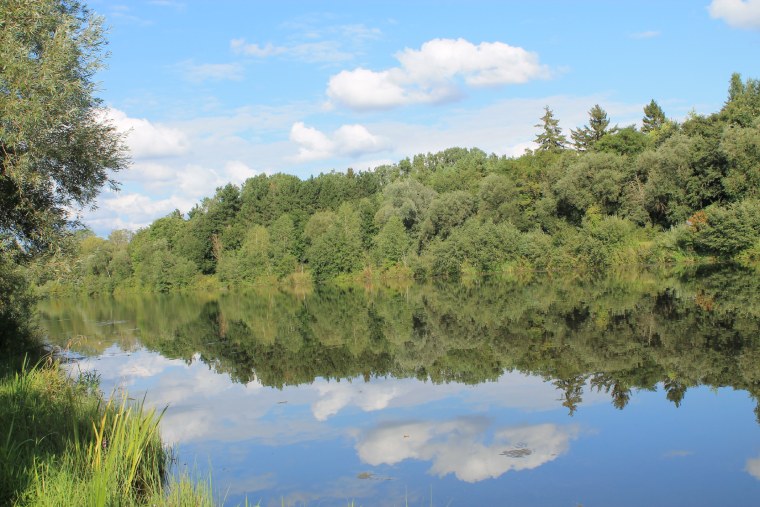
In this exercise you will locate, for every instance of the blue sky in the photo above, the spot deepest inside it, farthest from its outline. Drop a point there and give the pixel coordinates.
(216, 92)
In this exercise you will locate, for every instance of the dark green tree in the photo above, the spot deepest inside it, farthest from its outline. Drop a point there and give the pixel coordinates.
(654, 117)
(550, 138)
(586, 137)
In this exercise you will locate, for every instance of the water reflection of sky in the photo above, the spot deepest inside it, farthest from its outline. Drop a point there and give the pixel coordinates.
(391, 441)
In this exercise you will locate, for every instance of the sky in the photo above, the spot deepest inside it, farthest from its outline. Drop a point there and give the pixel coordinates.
(213, 92)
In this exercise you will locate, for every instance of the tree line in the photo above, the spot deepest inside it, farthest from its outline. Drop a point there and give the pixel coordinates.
(665, 192)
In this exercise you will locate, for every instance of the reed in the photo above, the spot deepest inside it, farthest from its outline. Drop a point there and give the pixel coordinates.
(63, 444)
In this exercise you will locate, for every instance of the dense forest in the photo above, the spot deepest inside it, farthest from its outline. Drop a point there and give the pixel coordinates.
(666, 192)
(629, 330)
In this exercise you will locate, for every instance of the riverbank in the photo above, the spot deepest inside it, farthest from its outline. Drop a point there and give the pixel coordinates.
(64, 444)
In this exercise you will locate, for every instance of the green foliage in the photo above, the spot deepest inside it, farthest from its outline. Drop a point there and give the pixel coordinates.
(62, 444)
(625, 197)
(595, 179)
(392, 243)
(550, 138)
(16, 307)
(339, 248)
(654, 118)
(626, 141)
(446, 212)
(55, 150)
(727, 230)
(586, 137)
(408, 199)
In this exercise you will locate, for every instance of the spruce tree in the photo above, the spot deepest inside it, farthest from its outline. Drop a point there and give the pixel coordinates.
(585, 137)
(550, 138)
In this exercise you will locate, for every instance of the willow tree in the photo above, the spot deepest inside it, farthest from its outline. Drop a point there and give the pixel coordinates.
(56, 148)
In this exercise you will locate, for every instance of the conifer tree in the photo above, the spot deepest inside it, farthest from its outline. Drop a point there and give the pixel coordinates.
(550, 138)
(585, 137)
(654, 117)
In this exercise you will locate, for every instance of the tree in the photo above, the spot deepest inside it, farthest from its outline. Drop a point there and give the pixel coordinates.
(586, 137)
(550, 138)
(654, 117)
(56, 148)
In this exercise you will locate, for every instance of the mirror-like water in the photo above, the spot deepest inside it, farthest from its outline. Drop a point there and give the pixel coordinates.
(638, 389)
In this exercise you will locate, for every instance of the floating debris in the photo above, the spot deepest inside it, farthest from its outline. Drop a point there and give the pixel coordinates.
(369, 476)
(110, 322)
(518, 451)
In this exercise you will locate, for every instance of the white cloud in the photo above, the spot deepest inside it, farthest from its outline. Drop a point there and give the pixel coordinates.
(186, 185)
(200, 72)
(240, 46)
(370, 397)
(432, 74)
(146, 139)
(737, 13)
(459, 446)
(348, 140)
(316, 42)
(327, 51)
(133, 210)
(651, 34)
(752, 467)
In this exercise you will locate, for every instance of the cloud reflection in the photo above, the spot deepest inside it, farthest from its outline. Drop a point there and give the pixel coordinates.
(202, 401)
(460, 446)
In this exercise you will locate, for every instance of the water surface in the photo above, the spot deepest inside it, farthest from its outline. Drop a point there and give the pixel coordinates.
(635, 389)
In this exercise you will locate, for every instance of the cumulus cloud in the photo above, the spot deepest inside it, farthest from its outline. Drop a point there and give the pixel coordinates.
(348, 140)
(737, 13)
(459, 447)
(435, 73)
(146, 139)
(185, 184)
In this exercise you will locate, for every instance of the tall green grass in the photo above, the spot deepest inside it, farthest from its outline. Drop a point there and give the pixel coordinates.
(61, 443)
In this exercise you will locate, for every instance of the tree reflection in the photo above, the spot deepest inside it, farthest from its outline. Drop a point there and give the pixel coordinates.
(632, 330)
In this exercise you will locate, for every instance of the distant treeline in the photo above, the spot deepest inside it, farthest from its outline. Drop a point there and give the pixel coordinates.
(666, 192)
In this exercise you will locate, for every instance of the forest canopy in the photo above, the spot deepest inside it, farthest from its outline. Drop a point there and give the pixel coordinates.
(666, 192)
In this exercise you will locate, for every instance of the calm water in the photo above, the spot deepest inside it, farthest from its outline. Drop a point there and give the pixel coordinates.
(637, 389)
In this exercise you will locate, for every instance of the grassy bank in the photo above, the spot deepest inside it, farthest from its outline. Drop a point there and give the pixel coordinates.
(63, 444)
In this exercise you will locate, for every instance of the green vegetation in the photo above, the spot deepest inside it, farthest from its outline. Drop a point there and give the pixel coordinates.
(56, 152)
(667, 193)
(627, 330)
(62, 444)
